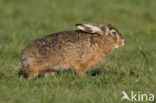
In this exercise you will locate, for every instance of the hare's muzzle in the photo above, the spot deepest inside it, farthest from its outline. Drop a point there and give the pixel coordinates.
(121, 43)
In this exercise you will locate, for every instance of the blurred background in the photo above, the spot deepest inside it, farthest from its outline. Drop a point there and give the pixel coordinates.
(22, 21)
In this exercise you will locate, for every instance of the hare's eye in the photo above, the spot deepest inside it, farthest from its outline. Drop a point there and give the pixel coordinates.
(114, 33)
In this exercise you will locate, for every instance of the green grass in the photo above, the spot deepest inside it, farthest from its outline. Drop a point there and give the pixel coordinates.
(125, 69)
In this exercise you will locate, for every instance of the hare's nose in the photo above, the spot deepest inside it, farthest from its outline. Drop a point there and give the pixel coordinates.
(123, 42)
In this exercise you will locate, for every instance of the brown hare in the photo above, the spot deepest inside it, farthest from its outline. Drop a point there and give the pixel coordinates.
(78, 49)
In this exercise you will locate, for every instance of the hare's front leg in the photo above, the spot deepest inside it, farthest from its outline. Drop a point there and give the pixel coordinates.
(82, 68)
(28, 73)
(80, 71)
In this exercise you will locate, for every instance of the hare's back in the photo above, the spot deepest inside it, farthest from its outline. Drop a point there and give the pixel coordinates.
(65, 41)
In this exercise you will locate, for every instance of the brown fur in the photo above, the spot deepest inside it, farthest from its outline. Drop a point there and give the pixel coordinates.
(76, 49)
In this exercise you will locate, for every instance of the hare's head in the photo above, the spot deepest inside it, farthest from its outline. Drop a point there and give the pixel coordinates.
(108, 31)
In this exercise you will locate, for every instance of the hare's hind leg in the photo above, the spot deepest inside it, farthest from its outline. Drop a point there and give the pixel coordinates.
(29, 68)
(28, 72)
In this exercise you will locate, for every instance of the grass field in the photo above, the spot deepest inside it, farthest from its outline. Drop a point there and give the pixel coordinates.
(131, 68)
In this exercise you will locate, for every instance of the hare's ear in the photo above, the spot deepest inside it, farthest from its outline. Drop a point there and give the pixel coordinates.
(89, 27)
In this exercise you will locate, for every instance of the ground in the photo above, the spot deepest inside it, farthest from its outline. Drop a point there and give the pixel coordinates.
(131, 68)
